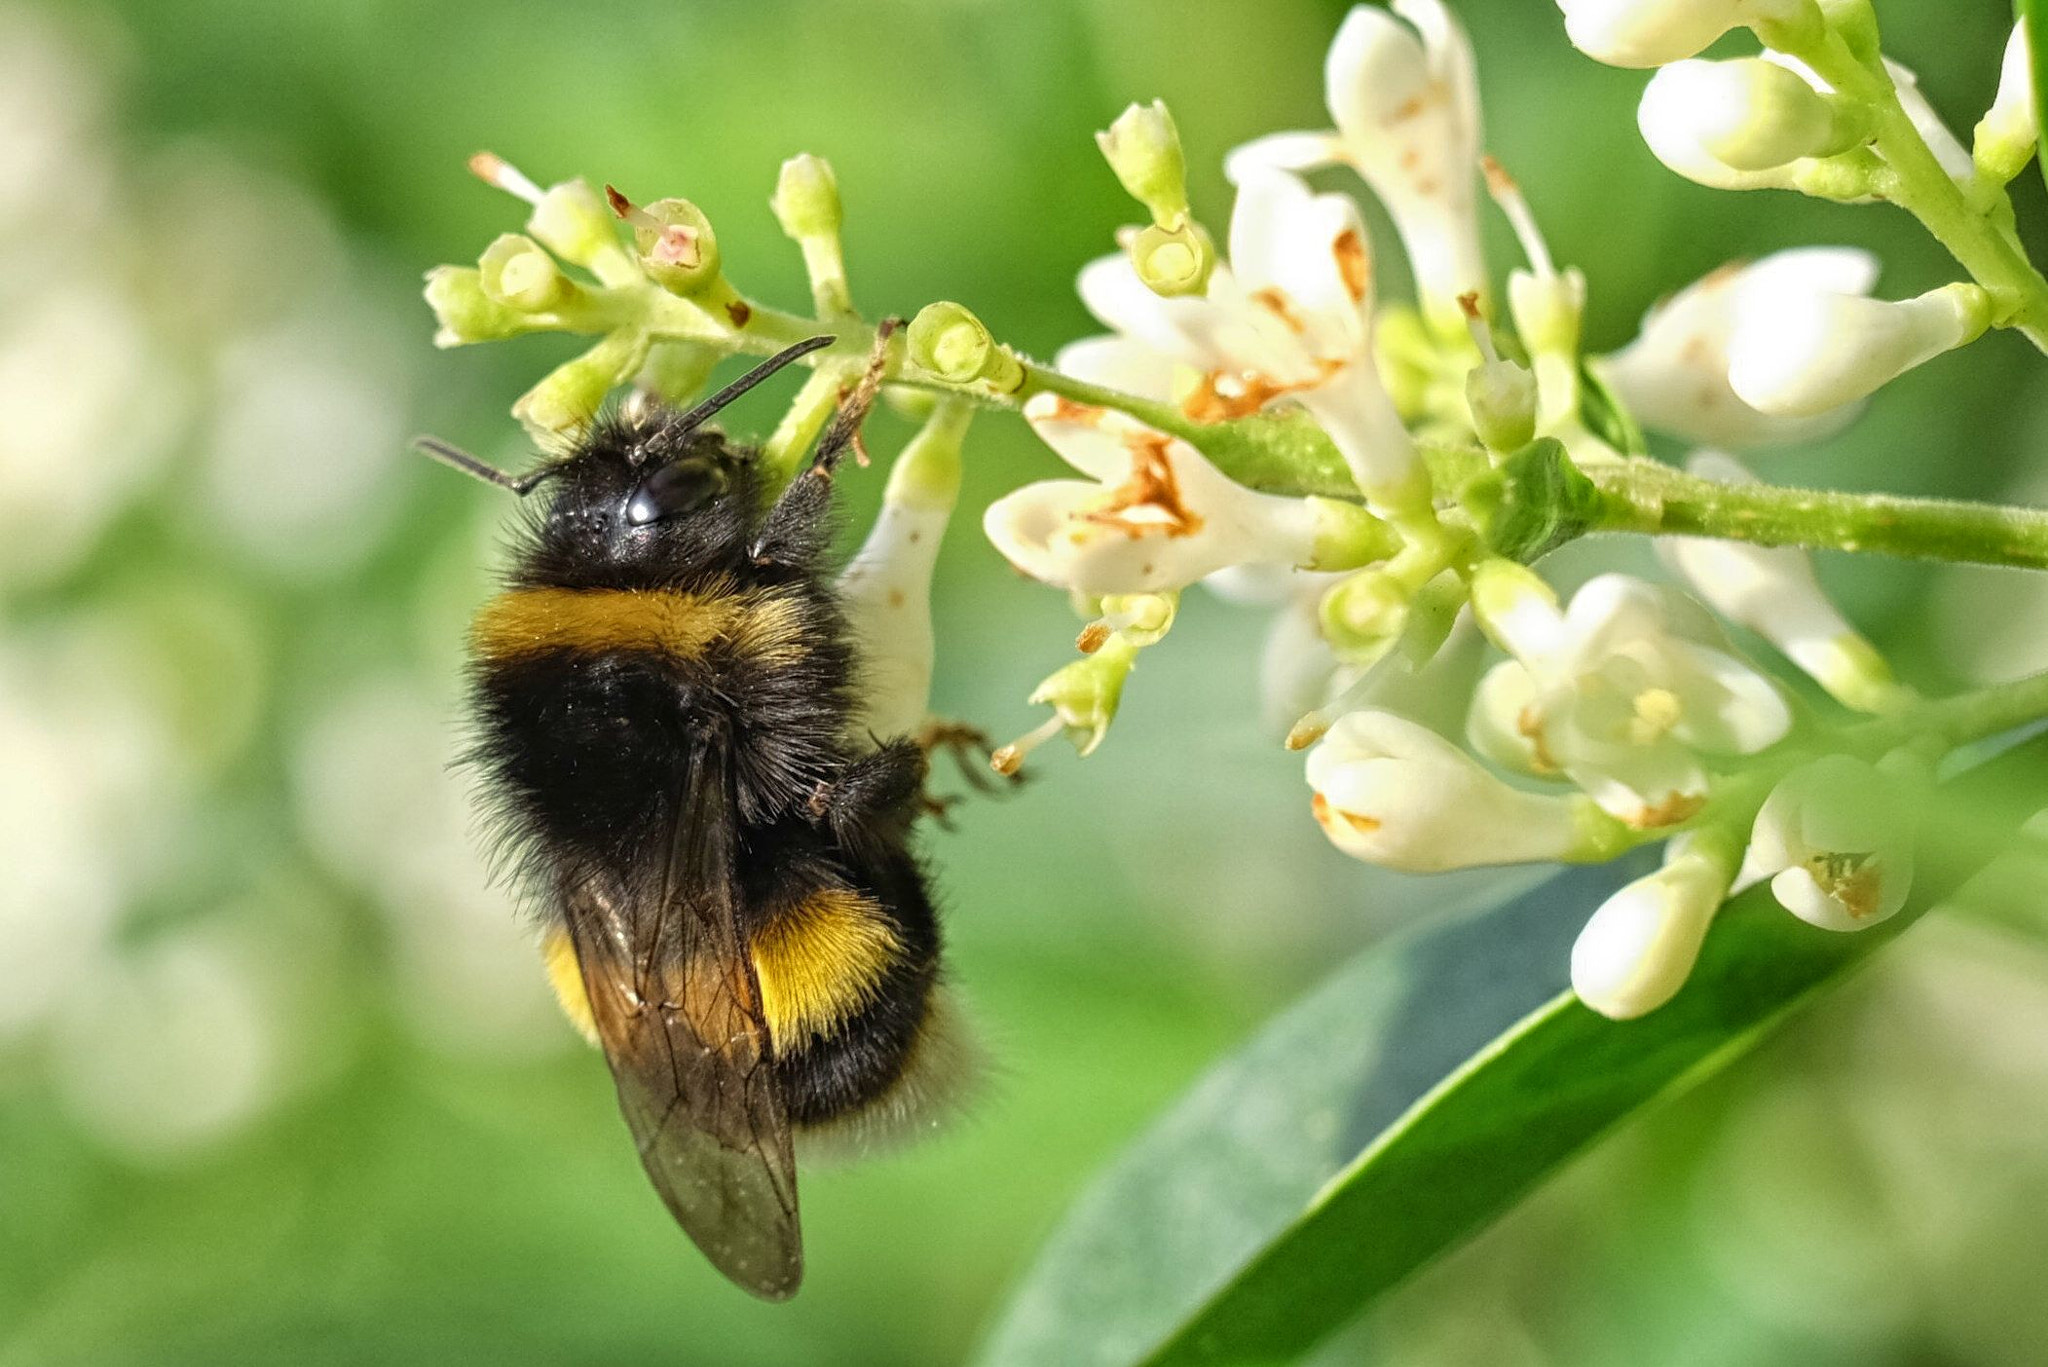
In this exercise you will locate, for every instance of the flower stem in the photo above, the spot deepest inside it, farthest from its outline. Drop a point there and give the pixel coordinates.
(1643, 496)
(1964, 717)
(1919, 184)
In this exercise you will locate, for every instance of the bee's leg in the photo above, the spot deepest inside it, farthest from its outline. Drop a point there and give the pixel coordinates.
(876, 797)
(797, 529)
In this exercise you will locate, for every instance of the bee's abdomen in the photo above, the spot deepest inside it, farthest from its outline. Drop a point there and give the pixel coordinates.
(847, 975)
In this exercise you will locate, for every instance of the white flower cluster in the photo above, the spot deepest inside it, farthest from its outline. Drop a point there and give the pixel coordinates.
(1622, 716)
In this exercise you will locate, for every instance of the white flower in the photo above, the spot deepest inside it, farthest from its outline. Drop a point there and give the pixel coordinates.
(1155, 516)
(1393, 793)
(1406, 106)
(1836, 842)
(1743, 116)
(1639, 947)
(1644, 33)
(1674, 376)
(1298, 671)
(1617, 697)
(886, 589)
(1772, 591)
(1802, 353)
(2011, 129)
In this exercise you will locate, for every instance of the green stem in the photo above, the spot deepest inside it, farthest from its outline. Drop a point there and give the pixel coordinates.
(1918, 183)
(1963, 718)
(1643, 496)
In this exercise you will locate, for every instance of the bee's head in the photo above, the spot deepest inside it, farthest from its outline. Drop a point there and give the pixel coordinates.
(645, 488)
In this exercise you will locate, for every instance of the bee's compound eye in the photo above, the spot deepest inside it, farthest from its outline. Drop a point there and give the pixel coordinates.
(677, 487)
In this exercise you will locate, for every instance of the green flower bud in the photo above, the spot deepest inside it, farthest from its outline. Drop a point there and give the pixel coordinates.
(1502, 398)
(518, 272)
(1364, 614)
(676, 372)
(1347, 536)
(570, 395)
(466, 313)
(568, 217)
(806, 201)
(949, 341)
(1083, 696)
(1143, 148)
(1173, 261)
(677, 248)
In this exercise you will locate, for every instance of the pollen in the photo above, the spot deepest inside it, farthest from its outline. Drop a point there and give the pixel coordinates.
(1657, 710)
(1153, 488)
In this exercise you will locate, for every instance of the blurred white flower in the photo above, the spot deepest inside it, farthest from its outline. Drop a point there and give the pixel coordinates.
(1773, 592)
(91, 405)
(1641, 944)
(1288, 318)
(1806, 352)
(1835, 839)
(1642, 33)
(1723, 122)
(175, 1046)
(53, 160)
(1406, 106)
(1298, 671)
(1616, 698)
(1674, 376)
(1394, 793)
(1158, 517)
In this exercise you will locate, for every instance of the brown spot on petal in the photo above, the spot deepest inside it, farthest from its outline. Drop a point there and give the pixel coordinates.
(1065, 409)
(1276, 302)
(1152, 485)
(1675, 807)
(1354, 264)
(1326, 814)
(1247, 393)
(1409, 108)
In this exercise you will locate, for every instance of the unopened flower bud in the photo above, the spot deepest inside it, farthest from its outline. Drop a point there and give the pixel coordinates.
(677, 248)
(806, 201)
(466, 312)
(1747, 114)
(1516, 609)
(1363, 613)
(518, 272)
(2010, 131)
(1809, 351)
(886, 589)
(1083, 696)
(569, 218)
(570, 395)
(1500, 394)
(1143, 148)
(1644, 33)
(1772, 591)
(1639, 947)
(949, 341)
(1394, 793)
(1836, 841)
(1173, 261)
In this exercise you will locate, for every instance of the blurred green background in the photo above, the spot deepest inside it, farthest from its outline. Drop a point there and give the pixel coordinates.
(279, 1078)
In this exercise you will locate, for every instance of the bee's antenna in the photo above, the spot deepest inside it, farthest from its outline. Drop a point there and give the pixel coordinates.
(753, 377)
(447, 454)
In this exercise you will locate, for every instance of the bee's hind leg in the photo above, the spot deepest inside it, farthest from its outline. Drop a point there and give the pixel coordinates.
(875, 797)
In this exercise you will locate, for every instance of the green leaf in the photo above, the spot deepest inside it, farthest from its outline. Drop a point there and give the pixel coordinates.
(2034, 15)
(1410, 1100)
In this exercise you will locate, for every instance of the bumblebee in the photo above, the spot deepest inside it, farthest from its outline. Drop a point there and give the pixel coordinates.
(661, 698)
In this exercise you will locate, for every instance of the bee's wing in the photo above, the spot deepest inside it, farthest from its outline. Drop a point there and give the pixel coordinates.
(678, 1009)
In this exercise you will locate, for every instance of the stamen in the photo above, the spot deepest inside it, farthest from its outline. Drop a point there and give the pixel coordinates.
(1508, 195)
(494, 170)
(1008, 759)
